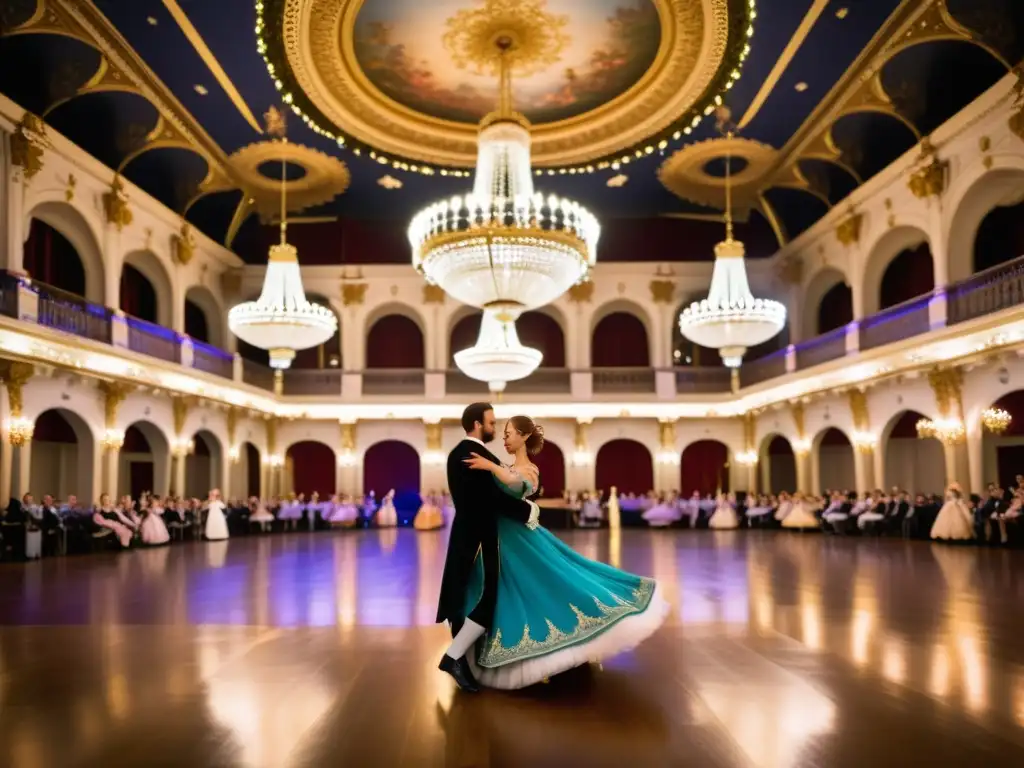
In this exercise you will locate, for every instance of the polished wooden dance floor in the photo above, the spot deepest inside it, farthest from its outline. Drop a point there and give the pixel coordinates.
(310, 650)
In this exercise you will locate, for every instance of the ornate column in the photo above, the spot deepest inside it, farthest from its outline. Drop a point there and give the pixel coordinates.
(19, 430)
(347, 478)
(864, 443)
(667, 459)
(272, 463)
(118, 215)
(746, 460)
(231, 480)
(114, 393)
(581, 478)
(947, 384)
(182, 445)
(802, 451)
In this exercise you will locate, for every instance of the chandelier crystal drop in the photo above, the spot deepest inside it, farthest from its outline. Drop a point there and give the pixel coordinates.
(282, 320)
(730, 319)
(503, 247)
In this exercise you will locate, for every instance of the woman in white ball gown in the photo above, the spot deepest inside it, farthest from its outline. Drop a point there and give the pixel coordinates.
(801, 515)
(216, 524)
(725, 513)
(954, 521)
(387, 517)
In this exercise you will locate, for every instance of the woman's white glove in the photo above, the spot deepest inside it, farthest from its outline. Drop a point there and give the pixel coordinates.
(534, 520)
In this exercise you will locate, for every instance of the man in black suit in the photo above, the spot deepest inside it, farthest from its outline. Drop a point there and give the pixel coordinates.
(478, 501)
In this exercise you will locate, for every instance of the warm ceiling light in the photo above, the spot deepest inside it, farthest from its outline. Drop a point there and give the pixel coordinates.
(801, 87)
(842, 13)
(389, 182)
(152, 21)
(201, 90)
(618, 181)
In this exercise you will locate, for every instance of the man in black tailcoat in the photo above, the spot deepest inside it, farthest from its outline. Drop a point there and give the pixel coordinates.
(478, 501)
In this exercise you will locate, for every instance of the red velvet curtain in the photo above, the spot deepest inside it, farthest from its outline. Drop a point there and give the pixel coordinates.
(313, 466)
(909, 275)
(394, 341)
(195, 322)
(50, 258)
(551, 463)
(1000, 237)
(391, 464)
(836, 308)
(543, 332)
(620, 341)
(626, 464)
(704, 467)
(138, 297)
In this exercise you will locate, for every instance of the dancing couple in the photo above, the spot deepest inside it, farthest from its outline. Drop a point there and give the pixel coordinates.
(522, 605)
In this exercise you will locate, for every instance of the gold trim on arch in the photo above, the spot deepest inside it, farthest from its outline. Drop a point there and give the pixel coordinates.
(201, 48)
(317, 39)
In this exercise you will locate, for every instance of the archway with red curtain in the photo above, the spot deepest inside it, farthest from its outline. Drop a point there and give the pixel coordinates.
(144, 461)
(909, 275)
(50, 258)
(535, 329)
(836, 308)
(777, 466)
(312, 468)
(394, 465)
(394, 341)
(551, 463)
(1003, 456)
(625, 464)
(253, 467)
(620, 340)
(704, 467)
(912, 463)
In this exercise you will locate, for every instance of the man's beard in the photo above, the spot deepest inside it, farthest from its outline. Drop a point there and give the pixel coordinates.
(486, 435)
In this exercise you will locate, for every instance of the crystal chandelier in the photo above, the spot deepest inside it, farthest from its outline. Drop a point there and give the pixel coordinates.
(996, 420)
(282, 320)
(503, 247)
(947, 431)
(730, 319)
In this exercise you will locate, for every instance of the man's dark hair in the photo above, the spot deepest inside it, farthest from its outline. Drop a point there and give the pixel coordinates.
(474, 412)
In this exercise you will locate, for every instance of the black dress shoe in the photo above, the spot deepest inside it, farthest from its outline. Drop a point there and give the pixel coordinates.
(459, 670)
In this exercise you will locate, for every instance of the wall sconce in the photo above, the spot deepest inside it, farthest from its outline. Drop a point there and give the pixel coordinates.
(668, 457)
(20, 431)
(234, 454)
(996, 420)
(183, 447)
(275, 461)
(864, 442)
(746, 458)
(581, 457)
(434, 458)
(801, 446)
(347, 459)
(113, 439)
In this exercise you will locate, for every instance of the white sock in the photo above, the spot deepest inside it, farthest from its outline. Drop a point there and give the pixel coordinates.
(464, 639)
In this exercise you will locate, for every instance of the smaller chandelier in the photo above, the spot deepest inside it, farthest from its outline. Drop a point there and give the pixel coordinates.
(113, 439)
(498, 357)
(864, 442)
(20, 431)
(996, 420)
(730, 319)
(947, 431)
(925, 429)
(747, 458)
(282, 320)
(182, 447)
(801, 446)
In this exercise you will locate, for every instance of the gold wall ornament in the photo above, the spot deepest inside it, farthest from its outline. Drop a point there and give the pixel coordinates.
(353, 293)
(180, 407)
(859, 410)
(69, 190)
(797, 410)
(115, 204)
(232, 424)
(28, 144)
(581, 293)
(848, 230)
(114, 393)
(434, 436)
(184, 244)
(433, 294)
(580, 437)
(271, 436)
(947, 384)
(16, 375)
(662, 291)
(667, 434)
(348, 438)
(316, 50)
(930, 179)
(750, 430)
(790, 271)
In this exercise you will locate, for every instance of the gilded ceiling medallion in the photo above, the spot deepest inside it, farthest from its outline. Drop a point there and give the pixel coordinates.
(411, 80)
(692, 173)
(324, 177)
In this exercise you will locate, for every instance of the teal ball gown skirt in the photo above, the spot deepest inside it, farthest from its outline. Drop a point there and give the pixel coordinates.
(556, 609)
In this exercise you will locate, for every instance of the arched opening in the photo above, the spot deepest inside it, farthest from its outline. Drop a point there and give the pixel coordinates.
(1001, 188)
(394, 465)
(836, 309)
(146, 291)
(311, 466)
(51, 258)
(63, 218)
(395, 341)
(777, 464)
(328, 354)
(204, 319)
(251, 467)
(704, 467)
(823, 302)
(463, 335)
(203, 466)
(914, 464)
(836, 463)
(1003, 456)
(686, 354)
(144, 461)
(620, 341)
(551, 463)
(883, 255)
(62, 456)
(541, 331)
(625, 464)
(910, 274)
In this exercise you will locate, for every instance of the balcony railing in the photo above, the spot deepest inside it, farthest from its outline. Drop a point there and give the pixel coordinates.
(393, 381)
(609, 381)
(995, 290)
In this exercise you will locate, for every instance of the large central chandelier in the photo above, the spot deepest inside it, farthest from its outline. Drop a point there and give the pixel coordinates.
(503, 247)
(730, 319)
(282, 320)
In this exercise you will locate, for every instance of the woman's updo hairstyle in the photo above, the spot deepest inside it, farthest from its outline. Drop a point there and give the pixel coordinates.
(533, 433)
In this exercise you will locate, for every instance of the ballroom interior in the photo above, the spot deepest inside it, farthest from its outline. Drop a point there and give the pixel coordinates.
(732, 254)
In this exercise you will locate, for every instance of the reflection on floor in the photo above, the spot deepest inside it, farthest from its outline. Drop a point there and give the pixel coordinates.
(308, 650)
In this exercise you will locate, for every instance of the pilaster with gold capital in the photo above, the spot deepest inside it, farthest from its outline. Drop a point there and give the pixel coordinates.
(581, 475)
(348, 460)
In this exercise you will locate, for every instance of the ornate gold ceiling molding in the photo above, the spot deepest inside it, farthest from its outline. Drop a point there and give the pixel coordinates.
(685, 176)
(325, 178)
(317, 37)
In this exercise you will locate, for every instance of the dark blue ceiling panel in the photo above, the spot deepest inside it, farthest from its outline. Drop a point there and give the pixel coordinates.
(870, 141)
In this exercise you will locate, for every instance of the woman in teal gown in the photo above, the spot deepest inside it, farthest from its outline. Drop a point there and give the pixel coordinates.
(555, 609)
